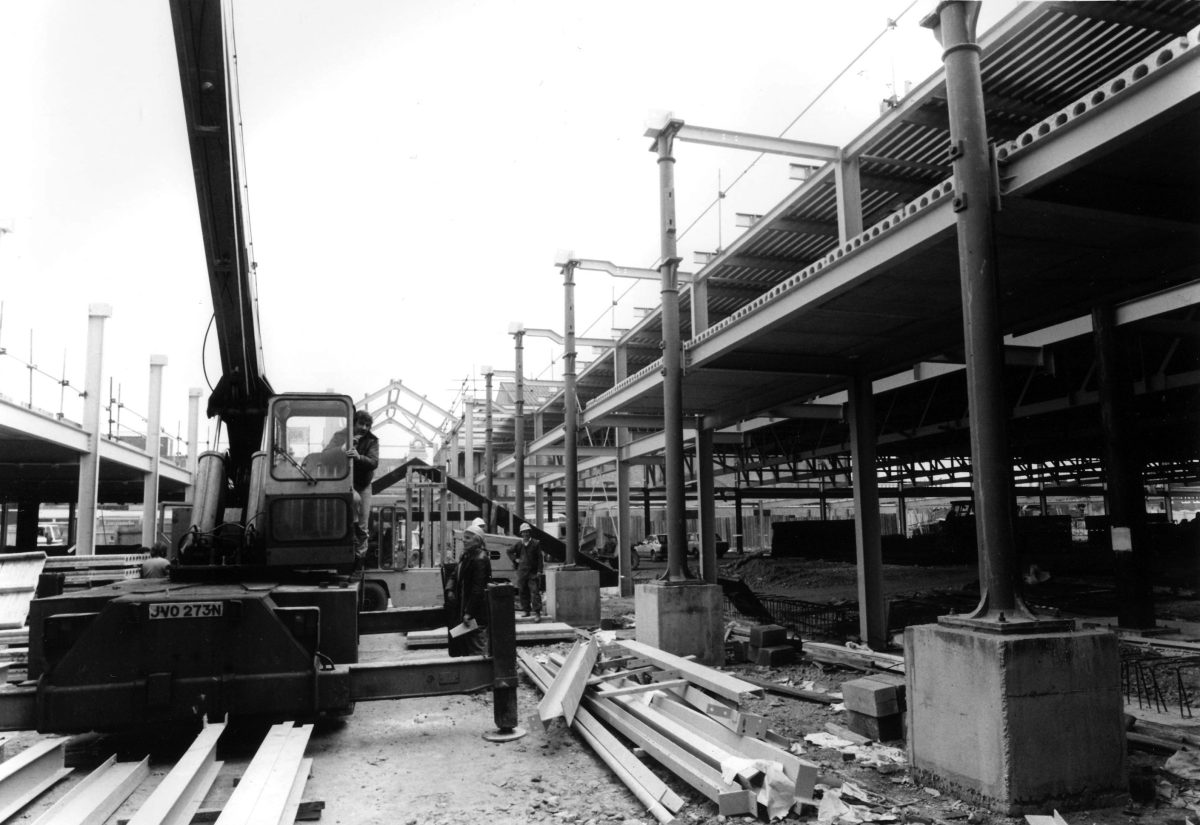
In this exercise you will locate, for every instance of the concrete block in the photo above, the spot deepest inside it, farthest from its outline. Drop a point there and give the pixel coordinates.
(684, 619)
(1017, 723)
(573, 596)
(775, 656)
(871, 698)
(767, 635)
(880, 728)
(736, 652)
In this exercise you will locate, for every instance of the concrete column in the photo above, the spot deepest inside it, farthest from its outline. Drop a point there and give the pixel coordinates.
(89, 463)
(153, 427)
(872, 612)
(1126, 499)
(193, 440)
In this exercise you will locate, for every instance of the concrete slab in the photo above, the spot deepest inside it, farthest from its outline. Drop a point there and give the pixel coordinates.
(573, 596)
(684, 619)
(1017, 723)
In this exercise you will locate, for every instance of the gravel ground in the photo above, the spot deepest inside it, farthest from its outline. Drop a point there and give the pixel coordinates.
(424, 761)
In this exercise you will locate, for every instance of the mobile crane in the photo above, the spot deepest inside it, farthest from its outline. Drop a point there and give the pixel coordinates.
(260, 615)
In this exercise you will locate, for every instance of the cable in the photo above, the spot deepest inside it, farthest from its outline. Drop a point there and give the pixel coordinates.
(722, 192)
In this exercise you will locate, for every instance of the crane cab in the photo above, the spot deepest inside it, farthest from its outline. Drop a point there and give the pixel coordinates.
(296, 506)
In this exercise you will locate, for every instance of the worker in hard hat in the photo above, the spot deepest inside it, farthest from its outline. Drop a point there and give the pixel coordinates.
(526, 556)
(469, 596)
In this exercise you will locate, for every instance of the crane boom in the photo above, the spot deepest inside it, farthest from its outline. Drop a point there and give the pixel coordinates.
(240, 397)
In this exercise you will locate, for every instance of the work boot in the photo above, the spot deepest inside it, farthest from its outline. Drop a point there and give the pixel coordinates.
(525, 615)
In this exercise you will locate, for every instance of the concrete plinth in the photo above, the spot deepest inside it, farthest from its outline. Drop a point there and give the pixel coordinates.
(1017, 723)
(684, 619)
(573, 596)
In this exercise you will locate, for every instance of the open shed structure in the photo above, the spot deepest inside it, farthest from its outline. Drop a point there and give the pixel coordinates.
(1093, 111)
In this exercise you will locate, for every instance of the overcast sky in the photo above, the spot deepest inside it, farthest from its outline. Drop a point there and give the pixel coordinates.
(412, 169)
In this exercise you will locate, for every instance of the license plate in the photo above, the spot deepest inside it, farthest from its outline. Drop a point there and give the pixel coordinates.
(186, 610)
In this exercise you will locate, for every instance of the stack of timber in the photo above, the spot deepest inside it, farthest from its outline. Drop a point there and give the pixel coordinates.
(269, 791)
(860, 658)
(89, 571)
(686, 716)
(19, 574)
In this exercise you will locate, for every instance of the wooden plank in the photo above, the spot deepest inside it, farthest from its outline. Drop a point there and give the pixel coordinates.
(30, 773)
(15, 636)
(861, 659)
(708, 678)
(100, 793)
(18, 581)
(651, 791)
(526, 634)
(179, 794)
(795, 692)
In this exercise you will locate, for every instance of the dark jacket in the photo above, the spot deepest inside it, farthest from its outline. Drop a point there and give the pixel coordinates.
(526, 558)
(471, 581)
(367, 447)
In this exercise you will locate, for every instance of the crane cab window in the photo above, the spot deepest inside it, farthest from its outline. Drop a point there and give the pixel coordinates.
(309, 438)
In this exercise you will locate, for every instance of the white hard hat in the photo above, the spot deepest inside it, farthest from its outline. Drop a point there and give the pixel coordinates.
(480, 523)
(475, 530)
(524, 528)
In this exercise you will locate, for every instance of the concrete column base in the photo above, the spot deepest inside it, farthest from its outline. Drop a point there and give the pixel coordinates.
(1017, 723)
(684, 619)
(573, 596)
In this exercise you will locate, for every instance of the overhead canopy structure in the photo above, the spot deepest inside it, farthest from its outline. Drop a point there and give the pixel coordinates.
(1094, 109)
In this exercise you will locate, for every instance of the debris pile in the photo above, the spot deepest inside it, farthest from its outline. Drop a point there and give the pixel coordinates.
(686, 716)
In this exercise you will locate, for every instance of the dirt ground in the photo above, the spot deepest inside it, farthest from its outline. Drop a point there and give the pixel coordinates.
(425, 762)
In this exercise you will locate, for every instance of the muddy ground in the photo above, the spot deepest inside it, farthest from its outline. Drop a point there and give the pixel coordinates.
(425, 762)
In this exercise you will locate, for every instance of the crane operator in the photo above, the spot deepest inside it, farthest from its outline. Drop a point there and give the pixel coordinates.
(365, 453)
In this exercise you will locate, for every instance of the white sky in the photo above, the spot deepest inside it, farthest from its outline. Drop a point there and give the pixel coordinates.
(413, 167)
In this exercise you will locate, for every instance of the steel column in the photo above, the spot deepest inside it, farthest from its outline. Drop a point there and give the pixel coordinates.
(570, 418)
(1126, 499)
(872, 612)
(624, 533)
(519, 422)
(954, 25)
(672, 362)
(489, 470)
(707, 507)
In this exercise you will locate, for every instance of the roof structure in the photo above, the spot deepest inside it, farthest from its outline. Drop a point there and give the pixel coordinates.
(1094, 110)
